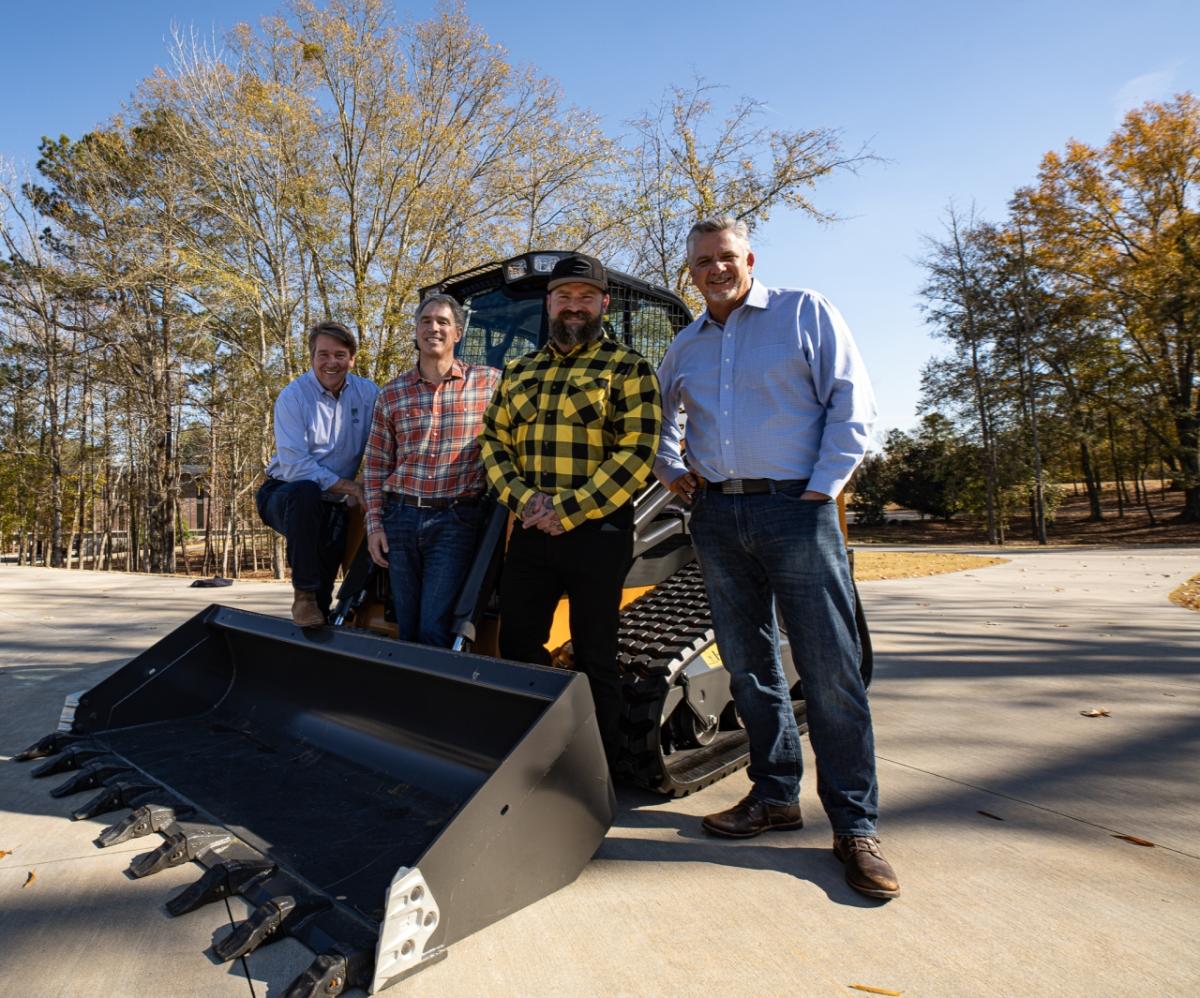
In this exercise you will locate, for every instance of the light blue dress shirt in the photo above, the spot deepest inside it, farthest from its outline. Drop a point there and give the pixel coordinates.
(779, 392)
(320, 438)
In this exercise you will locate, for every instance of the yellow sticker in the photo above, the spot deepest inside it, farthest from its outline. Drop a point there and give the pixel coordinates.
(712, 657)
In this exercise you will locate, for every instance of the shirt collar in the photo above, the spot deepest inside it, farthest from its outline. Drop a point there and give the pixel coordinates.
(757, 298)
(457, 370)
(577, 352)
(322, 390)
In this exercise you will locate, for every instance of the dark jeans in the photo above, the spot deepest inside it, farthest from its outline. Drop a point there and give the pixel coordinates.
(759, 551)
(429, 553)
(315, 532)
(588, 565)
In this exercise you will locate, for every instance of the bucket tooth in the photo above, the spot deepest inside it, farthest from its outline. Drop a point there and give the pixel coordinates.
(330, 974)
(271, 920)
(220, 881)
(247, 936)
(179, 847)
(73, 758)
(119, 794)
(140, 821)
(51, 744)
(92, 775)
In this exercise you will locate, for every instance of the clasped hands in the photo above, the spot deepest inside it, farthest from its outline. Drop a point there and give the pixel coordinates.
(539, 513)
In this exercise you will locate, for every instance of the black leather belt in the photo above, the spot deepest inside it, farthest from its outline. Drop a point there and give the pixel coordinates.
(754, 486)
(444, 502)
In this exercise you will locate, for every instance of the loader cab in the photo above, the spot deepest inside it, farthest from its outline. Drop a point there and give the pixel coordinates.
(505, 303)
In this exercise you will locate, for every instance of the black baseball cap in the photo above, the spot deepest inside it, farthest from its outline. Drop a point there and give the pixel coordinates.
(581, 268)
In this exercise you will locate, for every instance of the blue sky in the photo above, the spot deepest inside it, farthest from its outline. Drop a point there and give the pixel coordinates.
(962, 99)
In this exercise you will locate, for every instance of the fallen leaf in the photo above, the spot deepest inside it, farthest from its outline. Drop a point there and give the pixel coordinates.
(1096, 712)
(5, 852)
(29, 880)
(875, 991)
(988, 814)
(1134, 840)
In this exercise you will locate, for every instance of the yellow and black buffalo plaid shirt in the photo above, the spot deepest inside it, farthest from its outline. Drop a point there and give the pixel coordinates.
(582, 427)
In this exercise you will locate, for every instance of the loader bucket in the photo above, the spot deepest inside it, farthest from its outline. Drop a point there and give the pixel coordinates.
(375, 799)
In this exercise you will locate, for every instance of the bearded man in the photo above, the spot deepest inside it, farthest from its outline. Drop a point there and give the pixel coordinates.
(567, 442)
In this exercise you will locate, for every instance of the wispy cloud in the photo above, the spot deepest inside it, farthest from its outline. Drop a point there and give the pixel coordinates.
(1155, 85)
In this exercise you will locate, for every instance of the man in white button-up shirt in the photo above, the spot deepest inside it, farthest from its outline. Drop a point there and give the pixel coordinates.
(779, 408)
(321, 424)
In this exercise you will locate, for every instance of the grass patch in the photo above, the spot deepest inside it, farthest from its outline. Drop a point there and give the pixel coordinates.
(1187, 595)
(870, 566)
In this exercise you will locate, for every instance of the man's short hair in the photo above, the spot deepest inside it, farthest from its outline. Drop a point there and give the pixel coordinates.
(718, 223)
(334, 329)
(439, 298)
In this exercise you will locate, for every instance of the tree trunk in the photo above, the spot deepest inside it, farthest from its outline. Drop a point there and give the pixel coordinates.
(1118, 474)
(1090, 482)
(1188, 429)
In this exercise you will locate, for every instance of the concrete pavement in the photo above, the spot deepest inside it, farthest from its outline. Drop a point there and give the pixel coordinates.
(980, 678)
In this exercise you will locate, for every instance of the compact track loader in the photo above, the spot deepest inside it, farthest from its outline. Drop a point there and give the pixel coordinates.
(379, 800)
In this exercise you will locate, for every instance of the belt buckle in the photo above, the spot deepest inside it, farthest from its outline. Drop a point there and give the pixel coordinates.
(423, 503)
(735, 487)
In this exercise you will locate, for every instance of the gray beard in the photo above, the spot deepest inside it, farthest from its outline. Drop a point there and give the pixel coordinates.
(568, 339)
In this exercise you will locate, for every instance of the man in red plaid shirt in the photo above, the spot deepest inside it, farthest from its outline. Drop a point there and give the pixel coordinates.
(422, 479)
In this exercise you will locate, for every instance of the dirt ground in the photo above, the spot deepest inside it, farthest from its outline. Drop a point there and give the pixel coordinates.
(1071, 525)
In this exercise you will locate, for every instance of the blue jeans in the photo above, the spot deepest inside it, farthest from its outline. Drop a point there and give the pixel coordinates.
(775, 549)
(429, 554)
(315, 532)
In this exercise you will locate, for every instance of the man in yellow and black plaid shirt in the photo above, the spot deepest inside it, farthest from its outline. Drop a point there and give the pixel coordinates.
(567, 442)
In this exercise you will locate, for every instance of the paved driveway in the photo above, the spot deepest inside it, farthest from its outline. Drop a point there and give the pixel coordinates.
(980, 679)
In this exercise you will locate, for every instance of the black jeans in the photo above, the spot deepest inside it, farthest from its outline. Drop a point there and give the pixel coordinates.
(315, 532)
(588, 565)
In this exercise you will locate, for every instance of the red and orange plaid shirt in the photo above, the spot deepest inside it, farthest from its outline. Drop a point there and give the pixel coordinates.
(424, 437)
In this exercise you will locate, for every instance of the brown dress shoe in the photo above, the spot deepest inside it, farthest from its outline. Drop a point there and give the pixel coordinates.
(750, 816)
(305, 612)
(866, 869)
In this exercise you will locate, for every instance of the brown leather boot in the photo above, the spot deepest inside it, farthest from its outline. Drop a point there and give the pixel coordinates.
(866, 869)
(305, 612)
(750, 816)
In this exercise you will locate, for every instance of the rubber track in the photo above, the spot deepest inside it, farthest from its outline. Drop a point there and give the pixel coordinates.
(659, 632)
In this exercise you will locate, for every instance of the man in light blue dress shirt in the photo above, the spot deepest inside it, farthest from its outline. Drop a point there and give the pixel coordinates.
(778, 408)
(321, 424)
